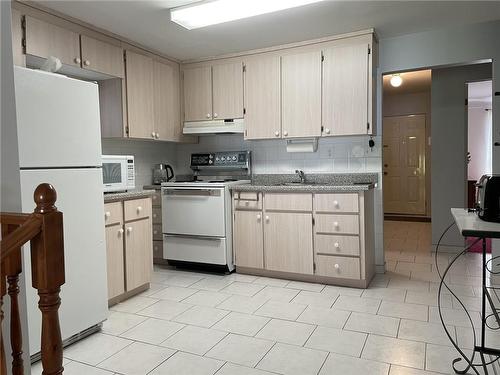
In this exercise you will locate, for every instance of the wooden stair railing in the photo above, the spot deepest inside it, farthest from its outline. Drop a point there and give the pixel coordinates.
(44, 229)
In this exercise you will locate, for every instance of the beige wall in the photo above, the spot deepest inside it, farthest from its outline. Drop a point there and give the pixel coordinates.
(412, 104)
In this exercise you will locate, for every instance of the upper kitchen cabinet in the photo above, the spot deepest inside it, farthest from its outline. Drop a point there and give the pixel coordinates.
(139, 86)
(44, 39)
(227, 90)
(102, 57)
(262, 97)
(301, 94)
(17, 39)
(166, 96)
(197, 93)
(347, 89)
(213, 92)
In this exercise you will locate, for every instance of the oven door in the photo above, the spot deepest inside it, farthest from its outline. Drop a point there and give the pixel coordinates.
(193, 211)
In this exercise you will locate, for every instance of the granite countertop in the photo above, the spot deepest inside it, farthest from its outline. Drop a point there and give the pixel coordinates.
(321, 183)
(127, 195)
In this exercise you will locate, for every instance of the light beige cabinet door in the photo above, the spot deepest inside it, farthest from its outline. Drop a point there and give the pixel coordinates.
(248, 239)
(115, 260)
(301, 95)
(138, 253)
(166, 96)
(139, 73)
(17, 38)
(44, 39)
(345, 90)
(288, 242)
(262, 97)
(102, 57)
(198, 93)
(227, 91)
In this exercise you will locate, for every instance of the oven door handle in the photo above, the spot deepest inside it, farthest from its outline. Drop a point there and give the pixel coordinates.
(188, 236)
(193, 192)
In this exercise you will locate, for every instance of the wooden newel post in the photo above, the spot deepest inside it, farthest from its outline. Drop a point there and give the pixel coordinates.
(47, 267)
(3, 363)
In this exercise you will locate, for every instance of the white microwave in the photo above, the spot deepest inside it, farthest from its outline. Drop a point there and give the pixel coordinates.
(118, 173)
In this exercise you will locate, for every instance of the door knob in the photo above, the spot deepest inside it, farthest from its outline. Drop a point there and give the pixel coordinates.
(267, 218)
(120, 231)
(277, 134)
(215, 115)
(336, 266)
(336, 245)
(336, 203)
(129, 230)
(285, 133)
(77, 60)
(327, 131)
(86, 62)
(153, 134)
(208, 115)
(259, 216)
(157, 135)
(335, 224)
(139, 209)
(107, 214)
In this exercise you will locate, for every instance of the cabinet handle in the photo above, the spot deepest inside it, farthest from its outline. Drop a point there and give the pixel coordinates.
(335, 224)
(139, 209)
(129, 230)
(259, 216)
(247, 203)
(107, 214)
(77, 60)
(157, 135)
(120, 231)
(215, 115)
(86, 62)
(336, 203)
(336, 245)
(285, 133)
(267, 219)
(208, 115)
(336, 266)
(277, 134)
(327, 131)
(153, 134)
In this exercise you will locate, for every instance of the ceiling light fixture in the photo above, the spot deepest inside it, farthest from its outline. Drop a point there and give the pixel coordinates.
(212, 12)
(396, 80)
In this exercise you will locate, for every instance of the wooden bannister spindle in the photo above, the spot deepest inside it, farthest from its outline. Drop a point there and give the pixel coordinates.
(3, 363)
(13, 268)
(47, 267)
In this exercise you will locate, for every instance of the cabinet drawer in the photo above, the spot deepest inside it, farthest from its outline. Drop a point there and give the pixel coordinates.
(342, 267)
(156, 198)
(247, 200)
(113, 213)
(137, 209)
(336, 202)
(158, 249)
(345, 224)
(336, 245)
(288, 202)
(157, 234)
(156, 215)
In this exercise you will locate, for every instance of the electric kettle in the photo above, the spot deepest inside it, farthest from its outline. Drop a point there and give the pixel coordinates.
(162, 173)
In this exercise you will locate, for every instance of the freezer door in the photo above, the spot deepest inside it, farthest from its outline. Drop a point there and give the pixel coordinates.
(58, 122)
(84, 295)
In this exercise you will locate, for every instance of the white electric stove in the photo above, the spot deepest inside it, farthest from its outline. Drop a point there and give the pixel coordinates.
(196, 214)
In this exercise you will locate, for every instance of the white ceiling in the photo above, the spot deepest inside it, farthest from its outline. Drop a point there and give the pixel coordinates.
(148, 22)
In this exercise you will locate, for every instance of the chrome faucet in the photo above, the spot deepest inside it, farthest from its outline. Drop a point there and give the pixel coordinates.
(302, 176)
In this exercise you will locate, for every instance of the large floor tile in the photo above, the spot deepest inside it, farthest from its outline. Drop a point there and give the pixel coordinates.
(349, 303)
(314, 299)
(201, 316)
(196, 340)
(242, 289)
(427, 298)
(333, 290)
(337, 341)
(311, 287)
(240, 277)
(404, 310)
(77, 368)
(206, 298)
(376, 324)
(275, 293)
(293, 360)
(454, 317)
(286, 331)
(119, 322)
(230, 369)
(439, 358)
(242, 304)
(400, 370)
(466, 340)
(137, 359)
(181, 280)
(153, 331)
(165, 310)
(134, 304)
(240, 323)
(174, 293)
(417, 285)
(396, 295)
(242, 350)
(423, 331)
(188, 364)
(281, 310)
(213, 284)
(271, 281)
(337, 364)
(95, 348)
(324, 317)
(395, 351)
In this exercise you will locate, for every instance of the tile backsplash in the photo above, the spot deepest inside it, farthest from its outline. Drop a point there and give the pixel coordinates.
(146, 153)
(334, 155)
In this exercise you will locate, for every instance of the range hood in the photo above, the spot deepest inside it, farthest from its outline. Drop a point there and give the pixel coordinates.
(214, 127)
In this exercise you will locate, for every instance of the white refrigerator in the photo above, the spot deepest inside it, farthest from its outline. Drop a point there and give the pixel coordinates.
(59, 140)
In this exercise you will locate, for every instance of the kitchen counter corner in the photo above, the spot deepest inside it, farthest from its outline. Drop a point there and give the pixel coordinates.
(127, 195)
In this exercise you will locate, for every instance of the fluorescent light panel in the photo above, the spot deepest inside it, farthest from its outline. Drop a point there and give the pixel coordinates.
(219, 11)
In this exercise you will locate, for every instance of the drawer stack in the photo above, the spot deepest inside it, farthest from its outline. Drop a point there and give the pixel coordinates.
(157, 229)
(337, 240)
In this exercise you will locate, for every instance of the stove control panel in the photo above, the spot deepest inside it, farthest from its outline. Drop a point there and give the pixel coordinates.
(226, 159)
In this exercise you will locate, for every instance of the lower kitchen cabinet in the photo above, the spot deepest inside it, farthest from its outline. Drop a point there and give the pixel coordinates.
(288, 242)
(129, 247)
(248, 238)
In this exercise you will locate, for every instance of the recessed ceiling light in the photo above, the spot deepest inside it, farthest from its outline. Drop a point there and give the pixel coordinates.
(212, 12)
(396, 80)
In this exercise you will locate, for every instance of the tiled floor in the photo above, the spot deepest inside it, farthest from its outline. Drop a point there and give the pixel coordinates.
(192, 323)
